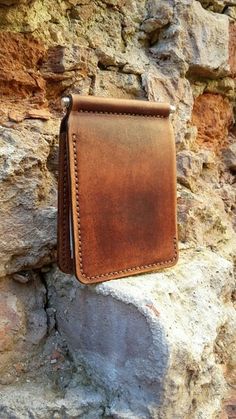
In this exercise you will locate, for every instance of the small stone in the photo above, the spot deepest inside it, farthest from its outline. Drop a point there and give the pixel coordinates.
(19, 367)
(23, 278)
(153, 24)
(39, 114)
(158, 17)
(50, 318)
(56, 355)
(231, 12)
(119, 85)
(229, 156)
(189, 168)
(16, 116)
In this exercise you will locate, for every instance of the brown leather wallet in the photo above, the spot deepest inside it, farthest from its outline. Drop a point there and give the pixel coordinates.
(117, 188)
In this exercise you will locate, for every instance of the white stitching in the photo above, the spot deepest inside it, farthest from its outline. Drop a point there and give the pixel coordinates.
(136, 268)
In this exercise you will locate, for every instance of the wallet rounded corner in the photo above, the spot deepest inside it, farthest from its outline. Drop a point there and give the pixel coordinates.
(81, 277)
(175, 258)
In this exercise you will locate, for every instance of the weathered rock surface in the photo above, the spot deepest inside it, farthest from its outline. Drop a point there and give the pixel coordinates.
(218, 117)
(28, 197)
(146, 338)
(23, 324)
(176, 340)
(34, 401)
(20, 79)
(197, 41)
(229, 155)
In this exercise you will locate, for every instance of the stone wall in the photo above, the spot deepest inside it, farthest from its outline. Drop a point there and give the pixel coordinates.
(161, 345)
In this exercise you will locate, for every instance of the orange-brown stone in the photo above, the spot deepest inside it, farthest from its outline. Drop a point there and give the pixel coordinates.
(213, 116)
(20, 79)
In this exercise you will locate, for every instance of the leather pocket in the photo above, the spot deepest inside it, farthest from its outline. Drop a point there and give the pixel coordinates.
(119, 185)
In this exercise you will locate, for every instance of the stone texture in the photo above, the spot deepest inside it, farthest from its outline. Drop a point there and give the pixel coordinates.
(189, 168)
(144, 339)
(196, 42)
(224, 87)
(182, 52)
(213, 116)
(232, 48)
(160, 87)
(28, 196)
(117, 85)
(19, 76)
(157, 17)
(23, 324)
(11, 2)
(204, 224)
(11, 321)
(229, 155)
(231, 12)
(217, 5)
(45, 404)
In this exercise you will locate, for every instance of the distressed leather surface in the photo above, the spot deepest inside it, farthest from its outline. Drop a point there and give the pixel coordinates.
(117, 175)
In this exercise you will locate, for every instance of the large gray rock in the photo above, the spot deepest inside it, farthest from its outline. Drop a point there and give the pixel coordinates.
(197, 41)
(150, 341)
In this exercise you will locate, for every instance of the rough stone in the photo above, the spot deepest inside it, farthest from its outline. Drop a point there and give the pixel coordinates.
(11, 321)
(224, 87)
(65, 67)
(175, 90)
(35, 401)
(115, 84)
(229, 155)
(203, 220)
(159, 372)
(196, 42)
(157, 16)
(217, 5)
(189, 168)
(213, 116)
(232, 48)
(19, 76)
(231, 12)
(23, 323)
(162, 50)
(28, 199)
(12, 2)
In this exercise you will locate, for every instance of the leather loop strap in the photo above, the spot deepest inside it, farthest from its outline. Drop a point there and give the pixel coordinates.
(120, 106)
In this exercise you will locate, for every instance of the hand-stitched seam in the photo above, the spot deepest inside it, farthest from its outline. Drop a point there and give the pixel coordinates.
(123, 113)
(64, 215)
(136, 268)
(64, 238)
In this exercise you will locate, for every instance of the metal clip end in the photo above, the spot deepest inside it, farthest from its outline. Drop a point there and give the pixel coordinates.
(172, 108)
(65, 102)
